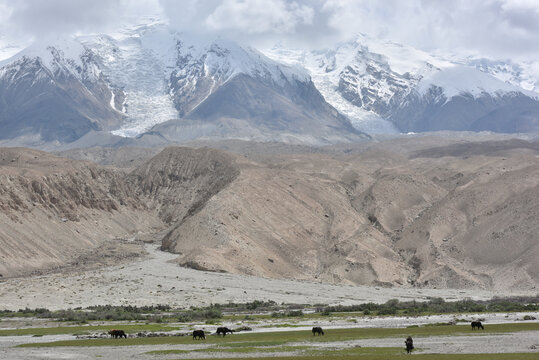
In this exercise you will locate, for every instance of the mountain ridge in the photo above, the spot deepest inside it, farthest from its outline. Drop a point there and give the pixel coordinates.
(146, 75)
(378, 84)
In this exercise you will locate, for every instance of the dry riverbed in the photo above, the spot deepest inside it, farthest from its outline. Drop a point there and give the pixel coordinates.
(156, 279)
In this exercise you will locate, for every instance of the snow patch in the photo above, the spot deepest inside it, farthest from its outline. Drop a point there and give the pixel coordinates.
(112, 96)
(459, 80)
(51, 53)
(383, 69)
(325, 69)
(138, 61)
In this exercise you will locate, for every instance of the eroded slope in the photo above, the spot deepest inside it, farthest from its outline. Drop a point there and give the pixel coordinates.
(375, 218)
(461, 215)
(53, 210)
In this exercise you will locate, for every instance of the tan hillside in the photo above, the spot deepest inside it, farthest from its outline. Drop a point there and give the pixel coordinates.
(54, 210)
(403, 212)
(178, 181)
(378, 217)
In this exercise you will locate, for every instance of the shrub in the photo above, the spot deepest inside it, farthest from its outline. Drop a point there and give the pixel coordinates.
(293, 313)
(200, 314)
(387, 311)
(184, 317)
(243, 328)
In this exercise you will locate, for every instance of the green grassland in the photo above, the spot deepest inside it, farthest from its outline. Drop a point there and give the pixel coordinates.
(86, 329)
(386, 356)
(283, 337)
(300, 351)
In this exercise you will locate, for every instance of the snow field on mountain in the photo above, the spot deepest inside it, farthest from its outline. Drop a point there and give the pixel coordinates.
(141, 72)
(141, 59)
(366, 79)
(325, 69)
(457, 80)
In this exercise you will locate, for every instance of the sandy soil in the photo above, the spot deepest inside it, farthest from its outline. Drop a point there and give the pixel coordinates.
(491, 344)
(156, 279)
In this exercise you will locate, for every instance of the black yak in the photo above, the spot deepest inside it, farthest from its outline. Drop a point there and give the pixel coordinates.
(199, 334)
(478, 325)
(318, 330)
(117, 333)
(409, 344)
(223, 330)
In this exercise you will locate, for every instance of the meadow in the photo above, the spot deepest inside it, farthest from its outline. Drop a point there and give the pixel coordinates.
(279, 331)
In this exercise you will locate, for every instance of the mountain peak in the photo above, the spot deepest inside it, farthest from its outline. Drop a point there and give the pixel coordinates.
(148, 74)
(380, 85)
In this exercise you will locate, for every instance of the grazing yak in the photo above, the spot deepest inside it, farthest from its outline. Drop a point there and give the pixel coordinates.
(199, 334)
(223, 330)
(478, 325)
(117, 333)
(409, 344)
(318, 330)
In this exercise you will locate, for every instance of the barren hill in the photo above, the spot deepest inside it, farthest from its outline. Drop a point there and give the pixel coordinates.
(459, 215)
(54, 210)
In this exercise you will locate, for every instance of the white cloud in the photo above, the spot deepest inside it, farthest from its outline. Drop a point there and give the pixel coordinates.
(502, 28)
(51, 17)
(5, 12)
(259, 16)
(491, 27)
(40, 19)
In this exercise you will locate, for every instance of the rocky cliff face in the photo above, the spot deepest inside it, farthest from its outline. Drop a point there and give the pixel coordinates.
(179, 181)
(369, 82)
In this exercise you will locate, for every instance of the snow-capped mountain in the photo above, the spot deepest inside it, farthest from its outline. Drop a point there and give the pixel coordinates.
(56, 91)
(229, 90)
(383, 87)
(148, 74)
(137, 63)
(150, 82)
(524, 75)
(202, 68)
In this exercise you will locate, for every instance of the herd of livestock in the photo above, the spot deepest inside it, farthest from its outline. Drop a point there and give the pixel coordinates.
(317, 330)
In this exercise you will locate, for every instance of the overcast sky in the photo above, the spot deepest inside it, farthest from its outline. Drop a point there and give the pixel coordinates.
(498, 28)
